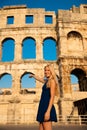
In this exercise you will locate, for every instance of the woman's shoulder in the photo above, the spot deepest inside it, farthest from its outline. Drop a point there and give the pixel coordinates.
(52, 80)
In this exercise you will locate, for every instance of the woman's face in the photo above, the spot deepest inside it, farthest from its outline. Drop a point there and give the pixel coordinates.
(47, 72)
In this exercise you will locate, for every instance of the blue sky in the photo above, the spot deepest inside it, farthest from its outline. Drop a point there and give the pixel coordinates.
(49, 5)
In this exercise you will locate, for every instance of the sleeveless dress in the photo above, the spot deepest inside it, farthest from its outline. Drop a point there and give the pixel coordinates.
(43, 105)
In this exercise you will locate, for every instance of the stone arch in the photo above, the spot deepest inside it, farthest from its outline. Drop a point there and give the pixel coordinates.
(27, 82)
(49, 49)
(5, 83)
(8, 48)
(75, 42)
(82, 79)
(29, 45)
(74, 34)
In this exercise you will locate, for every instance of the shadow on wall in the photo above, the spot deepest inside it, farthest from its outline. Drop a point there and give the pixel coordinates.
(5, 92)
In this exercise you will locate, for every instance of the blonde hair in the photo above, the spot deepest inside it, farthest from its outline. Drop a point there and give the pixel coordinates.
(55, 77)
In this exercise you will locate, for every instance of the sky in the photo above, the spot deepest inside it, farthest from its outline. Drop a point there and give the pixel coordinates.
(49, 5)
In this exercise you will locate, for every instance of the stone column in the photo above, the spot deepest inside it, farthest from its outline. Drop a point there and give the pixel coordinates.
(66, 108)
(63, 46)
(18, 51)
(81, 9)
(85, 46)
(0, 52)
(66, 85)
(16, 83)
(39, 52)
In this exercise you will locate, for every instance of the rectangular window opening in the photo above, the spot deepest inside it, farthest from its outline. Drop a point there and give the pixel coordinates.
(29, 19)
(48, 19)
(10, 20)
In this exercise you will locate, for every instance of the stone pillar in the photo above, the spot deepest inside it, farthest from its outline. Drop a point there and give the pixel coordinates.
(81, 9)
(18, 52)
(85, 46)
(73, 8)
(39, 52)
(66, 106)
(66, 85)
(0, 52)
(16, 83)
(63, 46)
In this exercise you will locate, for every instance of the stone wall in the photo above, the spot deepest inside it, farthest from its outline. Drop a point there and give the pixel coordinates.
(69, 29)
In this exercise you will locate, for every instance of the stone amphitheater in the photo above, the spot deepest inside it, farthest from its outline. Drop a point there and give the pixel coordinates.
(69, 31)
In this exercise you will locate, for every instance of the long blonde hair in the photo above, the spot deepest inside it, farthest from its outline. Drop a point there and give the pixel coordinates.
(51, 67)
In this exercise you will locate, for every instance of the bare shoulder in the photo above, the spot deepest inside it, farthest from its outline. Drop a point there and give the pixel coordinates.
(52, 82)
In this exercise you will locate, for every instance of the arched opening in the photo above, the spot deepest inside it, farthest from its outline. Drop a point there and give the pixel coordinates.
(81, 79)
(80, 84)
(5, 84)
(74, 35)
(29, 48)
(74, 43)
(27, 83)
(49, 49)
(8, 50)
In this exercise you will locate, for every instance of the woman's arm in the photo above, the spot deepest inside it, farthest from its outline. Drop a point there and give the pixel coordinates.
(37, 78)
(52, 95)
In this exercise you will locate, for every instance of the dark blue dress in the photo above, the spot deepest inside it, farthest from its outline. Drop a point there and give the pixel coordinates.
(43, 105)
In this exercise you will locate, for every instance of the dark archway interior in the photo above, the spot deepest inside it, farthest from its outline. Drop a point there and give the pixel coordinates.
(82, 79)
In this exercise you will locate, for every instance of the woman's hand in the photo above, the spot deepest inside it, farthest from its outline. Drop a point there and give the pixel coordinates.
(36, 77)
(31, 75)
(47, 116)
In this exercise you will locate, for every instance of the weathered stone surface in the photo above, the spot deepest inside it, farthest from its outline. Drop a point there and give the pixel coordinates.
(69, 29)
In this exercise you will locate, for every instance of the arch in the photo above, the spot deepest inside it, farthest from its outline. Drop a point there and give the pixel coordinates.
(29, 48)
(5, 80)
(27, 82)
(75, 42)
(49, 49)
(8, 47)
(74, 34)
(82, 80)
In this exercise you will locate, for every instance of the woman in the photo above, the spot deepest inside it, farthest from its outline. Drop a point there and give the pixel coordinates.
(46, 110)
